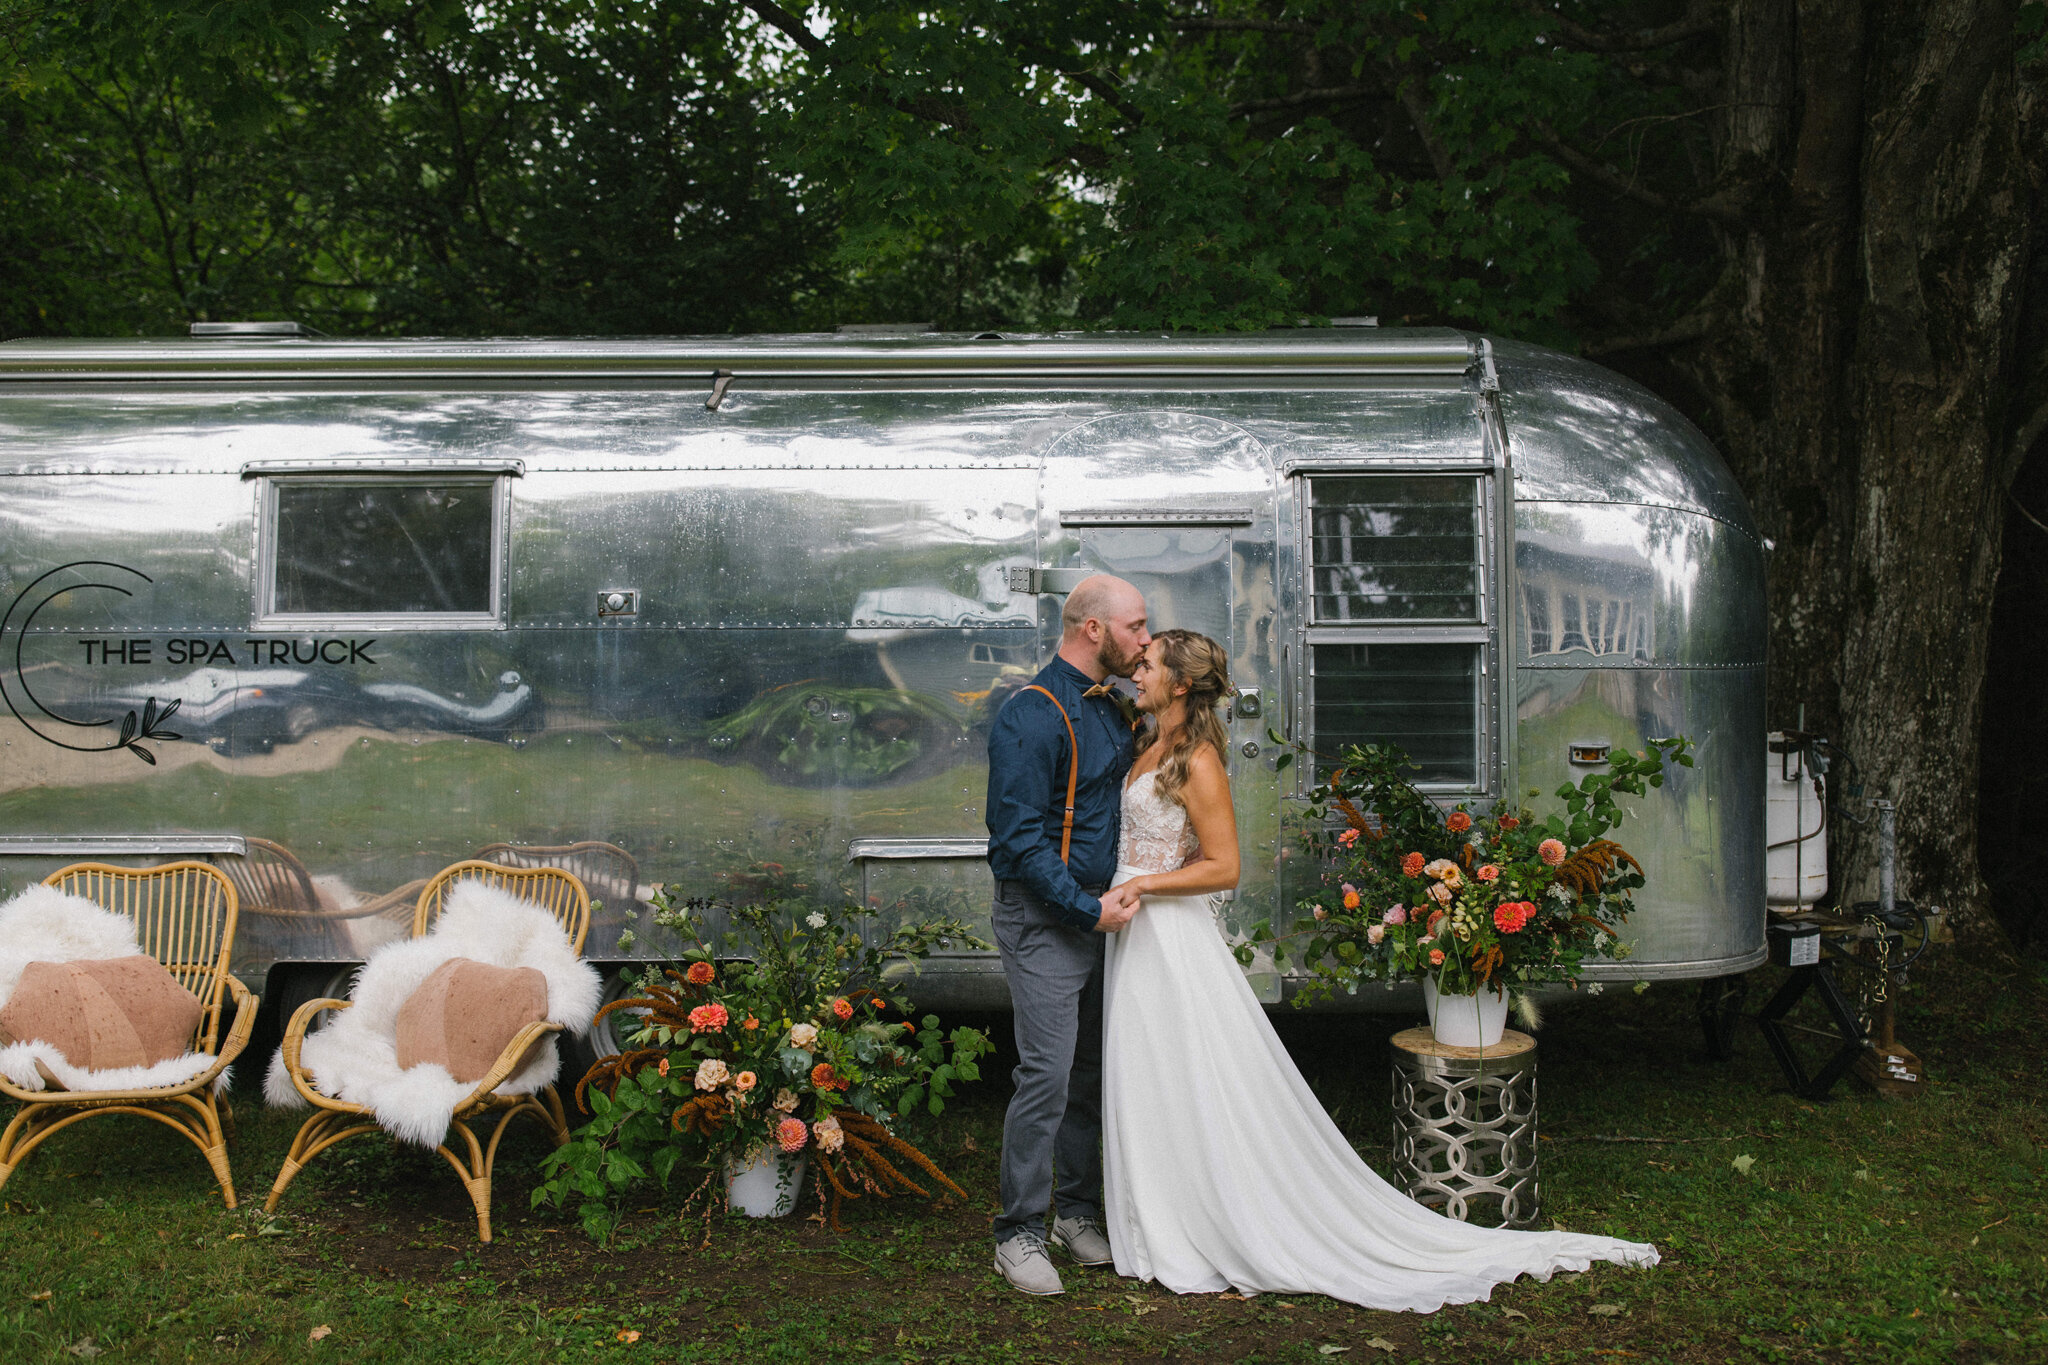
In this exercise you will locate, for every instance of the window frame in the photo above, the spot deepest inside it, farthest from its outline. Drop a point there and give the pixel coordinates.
(269, 481)
(1482, 632)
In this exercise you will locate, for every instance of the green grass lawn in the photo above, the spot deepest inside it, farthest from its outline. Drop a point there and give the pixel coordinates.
(1864, 1229)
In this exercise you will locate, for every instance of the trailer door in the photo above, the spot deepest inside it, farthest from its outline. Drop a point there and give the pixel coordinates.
(1182, 507)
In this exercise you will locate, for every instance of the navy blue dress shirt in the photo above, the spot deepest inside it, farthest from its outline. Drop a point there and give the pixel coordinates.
(1028, 755)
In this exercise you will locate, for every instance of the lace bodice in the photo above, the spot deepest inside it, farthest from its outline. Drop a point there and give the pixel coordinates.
(1156, 835)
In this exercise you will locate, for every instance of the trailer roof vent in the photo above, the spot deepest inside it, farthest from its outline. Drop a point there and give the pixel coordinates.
(1355, 322)
(218, 331)
(884, 329)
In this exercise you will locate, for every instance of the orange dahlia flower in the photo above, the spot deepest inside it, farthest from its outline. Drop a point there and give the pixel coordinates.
(790, 1134)
(1412, 864)
(708, 1018)
(843, 1007)
(700, 974)
(1458, 822)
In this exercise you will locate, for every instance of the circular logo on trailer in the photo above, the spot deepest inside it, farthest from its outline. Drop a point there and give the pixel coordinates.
(68, 728)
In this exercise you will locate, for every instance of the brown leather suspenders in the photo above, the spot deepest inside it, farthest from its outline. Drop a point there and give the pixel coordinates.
(1073, 769)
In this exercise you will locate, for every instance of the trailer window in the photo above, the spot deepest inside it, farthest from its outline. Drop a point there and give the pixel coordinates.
(1397, 567)
(383, 547)
(1395, 549)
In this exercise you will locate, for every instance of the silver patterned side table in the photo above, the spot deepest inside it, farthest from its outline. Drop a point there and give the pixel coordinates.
(1465, 1124)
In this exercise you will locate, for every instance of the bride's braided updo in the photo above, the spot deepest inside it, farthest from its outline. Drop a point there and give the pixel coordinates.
(1198, 662)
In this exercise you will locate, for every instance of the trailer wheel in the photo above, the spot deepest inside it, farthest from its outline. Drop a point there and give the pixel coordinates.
(287, 988)
(1720, 1011)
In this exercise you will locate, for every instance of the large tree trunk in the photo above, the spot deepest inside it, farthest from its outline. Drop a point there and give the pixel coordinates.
(1863, 375)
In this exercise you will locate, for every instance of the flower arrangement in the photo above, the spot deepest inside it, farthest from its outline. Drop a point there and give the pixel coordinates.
(783, 1034)
(1501, 900)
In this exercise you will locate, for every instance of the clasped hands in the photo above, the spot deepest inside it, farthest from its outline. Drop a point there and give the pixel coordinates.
(1119, 905)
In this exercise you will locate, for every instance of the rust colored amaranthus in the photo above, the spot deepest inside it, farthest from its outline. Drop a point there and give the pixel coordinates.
(662, 1005)
(862, 1166)
(1588, 869)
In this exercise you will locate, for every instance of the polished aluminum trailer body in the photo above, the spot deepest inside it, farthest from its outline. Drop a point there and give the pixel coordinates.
(415, 598)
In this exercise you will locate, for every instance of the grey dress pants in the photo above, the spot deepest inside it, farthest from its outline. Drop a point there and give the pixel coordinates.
(1054, 1126)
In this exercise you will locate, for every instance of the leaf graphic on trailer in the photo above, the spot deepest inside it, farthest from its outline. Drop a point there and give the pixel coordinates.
(31, 710)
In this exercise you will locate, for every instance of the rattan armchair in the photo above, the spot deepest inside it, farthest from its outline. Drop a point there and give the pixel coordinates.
(335, 1121)
(184, 917)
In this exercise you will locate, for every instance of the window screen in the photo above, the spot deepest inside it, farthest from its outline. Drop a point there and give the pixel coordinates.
(1395, 549)
(377, 548)
(1420, 698)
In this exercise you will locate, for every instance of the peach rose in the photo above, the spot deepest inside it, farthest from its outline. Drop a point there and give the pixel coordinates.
(711, 1074)
(1396, 914)
(745, 1081)
(1374, 933)
(1320, 913)
(1440, 893)
(1436, 957)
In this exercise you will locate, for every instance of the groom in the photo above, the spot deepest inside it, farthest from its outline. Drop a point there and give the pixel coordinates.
(1051, 912)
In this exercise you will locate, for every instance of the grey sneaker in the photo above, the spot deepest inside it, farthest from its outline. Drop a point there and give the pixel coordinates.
(1083, 1239)
(1023, 1262)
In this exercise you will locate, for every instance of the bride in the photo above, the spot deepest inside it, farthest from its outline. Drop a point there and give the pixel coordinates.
(1221, 1169)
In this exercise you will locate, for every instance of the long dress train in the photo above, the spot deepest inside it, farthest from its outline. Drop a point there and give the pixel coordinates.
(1221, 1169)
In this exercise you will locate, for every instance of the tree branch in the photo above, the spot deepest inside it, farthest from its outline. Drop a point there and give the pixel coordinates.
(1413, 94)
(1212, 25)
(791, 27)
(1318, 95)
(1692, 327)
(1701, 17)
(1713, 207)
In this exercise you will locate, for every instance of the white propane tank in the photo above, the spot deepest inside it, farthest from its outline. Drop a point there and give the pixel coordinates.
(1795, 827)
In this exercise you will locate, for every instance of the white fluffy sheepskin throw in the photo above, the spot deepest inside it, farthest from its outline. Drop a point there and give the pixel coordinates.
(43, 924)
(354, 1057)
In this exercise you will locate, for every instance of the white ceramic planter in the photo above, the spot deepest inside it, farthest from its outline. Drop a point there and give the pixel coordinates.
(769, 1187)
(1465, 1020)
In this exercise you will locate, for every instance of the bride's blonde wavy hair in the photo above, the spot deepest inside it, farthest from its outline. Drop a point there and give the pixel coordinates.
(1197, 661)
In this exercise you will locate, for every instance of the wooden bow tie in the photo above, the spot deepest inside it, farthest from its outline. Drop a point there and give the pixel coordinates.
(1099, 690)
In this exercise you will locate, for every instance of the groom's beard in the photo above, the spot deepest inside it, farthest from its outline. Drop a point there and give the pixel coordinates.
(1114, 661)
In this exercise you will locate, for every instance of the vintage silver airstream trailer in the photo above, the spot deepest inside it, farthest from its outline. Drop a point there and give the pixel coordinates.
(741, 609)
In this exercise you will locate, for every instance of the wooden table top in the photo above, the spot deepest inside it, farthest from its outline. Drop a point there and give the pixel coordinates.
(1422, 1043)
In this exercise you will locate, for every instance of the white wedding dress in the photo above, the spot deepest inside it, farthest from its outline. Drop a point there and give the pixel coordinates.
(1221, 1171)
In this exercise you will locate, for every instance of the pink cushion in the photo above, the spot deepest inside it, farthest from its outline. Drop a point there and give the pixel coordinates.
(122, 1011)
(463, 1015)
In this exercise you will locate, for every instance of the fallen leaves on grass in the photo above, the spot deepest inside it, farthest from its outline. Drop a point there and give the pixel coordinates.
(320, 1333)
(1606, 1310)
(41, 1296)
(1332, 1350)
(1139, 1308)
(1743, 1163)
(627, 1335)
(1382, 1344)
(84, 1349)
(1514, 1313)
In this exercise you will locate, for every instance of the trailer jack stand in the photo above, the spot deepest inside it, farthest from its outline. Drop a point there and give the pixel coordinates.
(1771, 1020)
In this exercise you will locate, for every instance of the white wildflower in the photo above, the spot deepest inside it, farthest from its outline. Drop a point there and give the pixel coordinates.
(815, 919)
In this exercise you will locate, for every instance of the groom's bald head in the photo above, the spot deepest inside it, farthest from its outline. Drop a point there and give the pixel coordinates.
(1103, 622)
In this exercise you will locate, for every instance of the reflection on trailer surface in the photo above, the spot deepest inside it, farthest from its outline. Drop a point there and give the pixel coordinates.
(337, 614)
